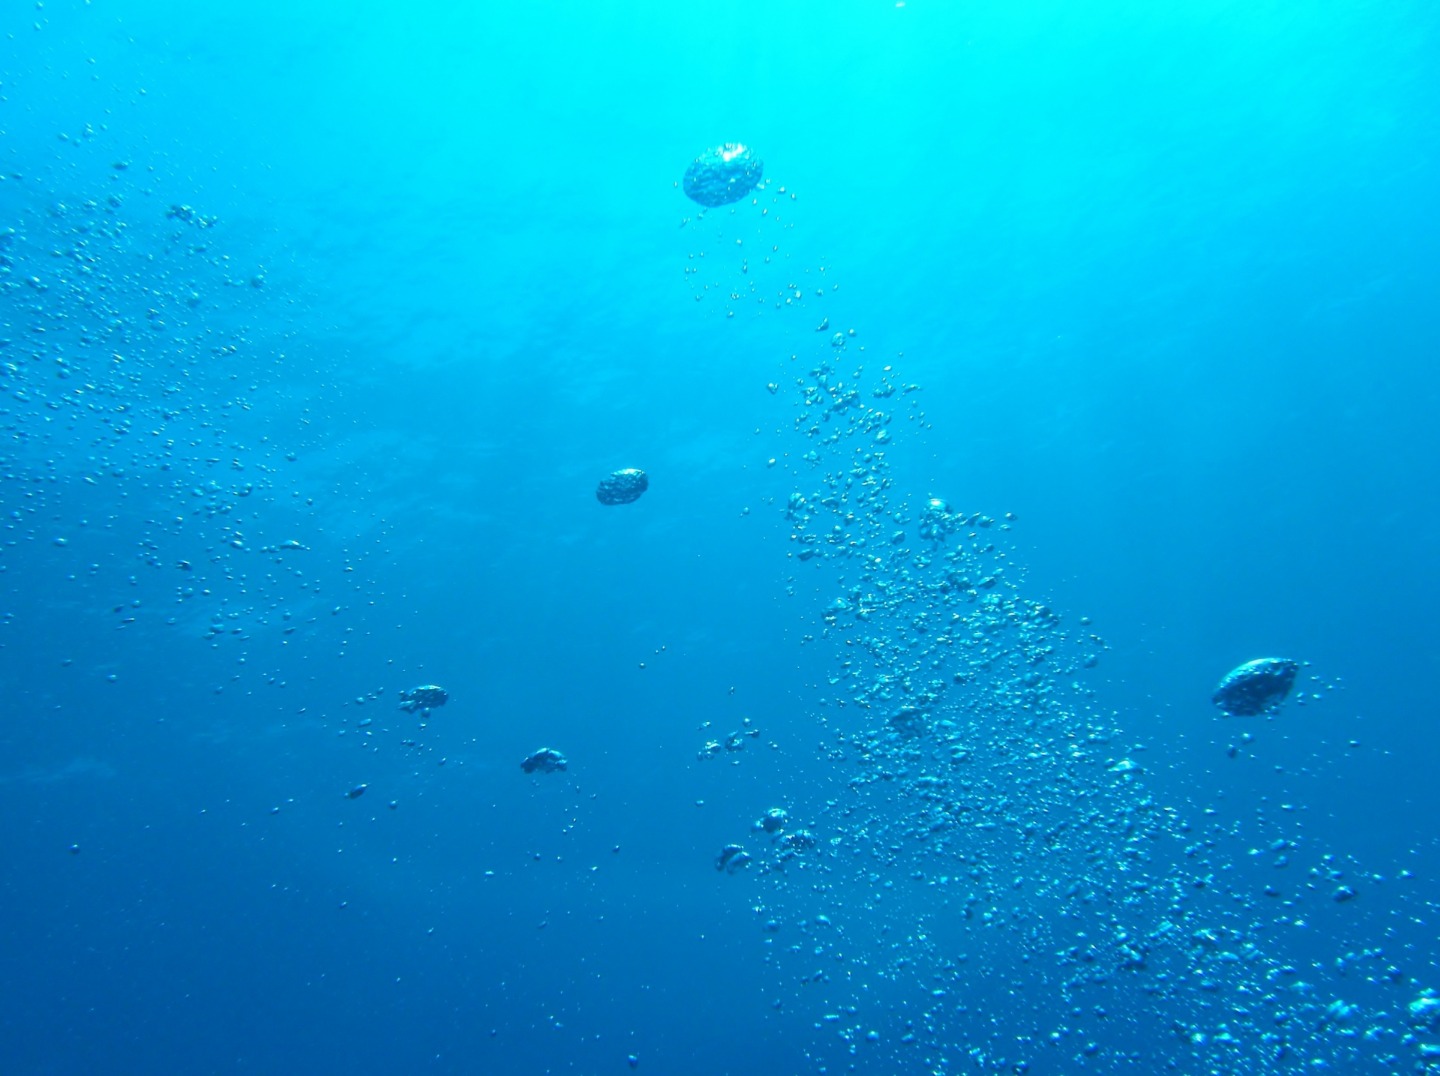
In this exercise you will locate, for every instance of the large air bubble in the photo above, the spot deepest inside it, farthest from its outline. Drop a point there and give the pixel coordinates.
(723, 175)
(1256, 687)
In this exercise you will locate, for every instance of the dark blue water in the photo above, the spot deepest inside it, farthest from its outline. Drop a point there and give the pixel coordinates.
(320, 328)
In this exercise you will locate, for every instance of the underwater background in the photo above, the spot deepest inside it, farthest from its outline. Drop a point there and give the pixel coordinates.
(1066, 357)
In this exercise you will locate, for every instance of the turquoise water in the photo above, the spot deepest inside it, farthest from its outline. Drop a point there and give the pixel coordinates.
(1066, 357)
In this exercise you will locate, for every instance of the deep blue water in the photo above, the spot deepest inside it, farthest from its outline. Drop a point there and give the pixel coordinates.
(320, 328)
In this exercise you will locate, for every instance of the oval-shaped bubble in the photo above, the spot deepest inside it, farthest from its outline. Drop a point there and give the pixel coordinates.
(1256, 687)
(723, 175)
(622, 486)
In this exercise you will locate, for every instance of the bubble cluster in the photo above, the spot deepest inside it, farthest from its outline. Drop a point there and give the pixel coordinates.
(738, 256)
(983, 880)
(139, 392)
(989, 884)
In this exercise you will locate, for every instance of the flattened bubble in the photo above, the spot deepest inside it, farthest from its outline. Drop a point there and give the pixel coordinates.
(545, 760)
(774, 820)
(732, 858)
(723, 175)
(424, 697)
(622, 486)
(802, 840)
(1256, 687)
(1425, 1009)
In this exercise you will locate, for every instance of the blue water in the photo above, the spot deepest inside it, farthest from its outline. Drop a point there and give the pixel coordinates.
(320, 328)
